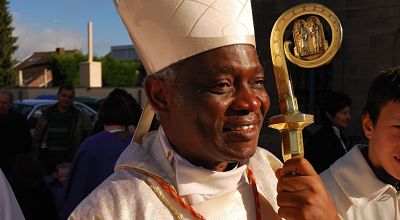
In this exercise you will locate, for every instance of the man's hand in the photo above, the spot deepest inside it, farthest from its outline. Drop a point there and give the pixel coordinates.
(301, 193)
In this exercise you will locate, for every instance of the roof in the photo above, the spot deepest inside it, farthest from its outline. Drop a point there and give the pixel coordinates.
(40, 58)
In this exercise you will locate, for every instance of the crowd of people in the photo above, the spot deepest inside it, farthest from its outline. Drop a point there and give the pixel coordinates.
(207, 89)
(51, 170)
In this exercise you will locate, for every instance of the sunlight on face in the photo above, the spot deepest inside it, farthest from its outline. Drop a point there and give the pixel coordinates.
(384, 150)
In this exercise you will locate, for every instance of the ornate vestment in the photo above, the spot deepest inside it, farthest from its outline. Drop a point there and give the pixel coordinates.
(131, 192)
(9, 208)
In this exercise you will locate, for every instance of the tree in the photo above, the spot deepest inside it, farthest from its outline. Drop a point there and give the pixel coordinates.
(119, 73)
(65, 68)
(7, 46)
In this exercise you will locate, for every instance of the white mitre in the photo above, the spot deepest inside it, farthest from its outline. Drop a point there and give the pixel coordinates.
(167, 31)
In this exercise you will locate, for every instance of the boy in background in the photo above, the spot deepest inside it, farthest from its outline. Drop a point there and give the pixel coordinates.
(365, 183)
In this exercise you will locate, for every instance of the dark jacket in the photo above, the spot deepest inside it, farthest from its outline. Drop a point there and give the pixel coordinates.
(15, 138)
(93, 163)
(323, 148)
(80, 128)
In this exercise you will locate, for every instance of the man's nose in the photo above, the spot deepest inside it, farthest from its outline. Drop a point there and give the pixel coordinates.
(246, 99)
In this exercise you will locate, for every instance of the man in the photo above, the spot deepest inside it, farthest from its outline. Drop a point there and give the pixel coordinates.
(60, 130)
(329, 143)
(207, 87)
(97, 155)
(15, 136)
(365, 183)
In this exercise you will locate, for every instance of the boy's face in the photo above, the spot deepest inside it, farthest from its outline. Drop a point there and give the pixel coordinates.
(62, 175)
(384, 138)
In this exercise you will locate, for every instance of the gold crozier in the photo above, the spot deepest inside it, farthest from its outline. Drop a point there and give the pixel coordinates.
(310, 50)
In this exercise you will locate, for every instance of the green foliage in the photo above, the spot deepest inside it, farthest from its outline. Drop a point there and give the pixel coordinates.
(7, 46)
(119, 73)
(65, 68)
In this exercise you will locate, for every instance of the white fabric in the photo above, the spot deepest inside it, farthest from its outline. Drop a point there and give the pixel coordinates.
(199, 184)
(167, 31)
(356, 191)
(127, 195)
(116, 130)
(9, 208)
(216, 208)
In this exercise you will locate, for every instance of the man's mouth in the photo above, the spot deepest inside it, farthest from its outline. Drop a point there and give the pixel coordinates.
(239, 128)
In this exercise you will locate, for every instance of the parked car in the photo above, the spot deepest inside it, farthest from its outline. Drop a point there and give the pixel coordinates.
(33, 109)
(92, 102)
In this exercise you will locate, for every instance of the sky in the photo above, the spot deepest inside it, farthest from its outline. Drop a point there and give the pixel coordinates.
(43, 25)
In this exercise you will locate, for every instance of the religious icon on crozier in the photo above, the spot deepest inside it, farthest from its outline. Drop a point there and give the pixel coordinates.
(309, 38)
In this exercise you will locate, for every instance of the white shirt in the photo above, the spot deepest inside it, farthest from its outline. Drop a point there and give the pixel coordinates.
(357, 192)
(197, 183)
(337, 133)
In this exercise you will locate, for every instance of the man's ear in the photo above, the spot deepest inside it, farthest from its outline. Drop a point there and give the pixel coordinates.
(367, 125)
(157, 92)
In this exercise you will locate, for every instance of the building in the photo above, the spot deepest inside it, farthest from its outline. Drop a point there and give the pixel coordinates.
(34, 70)
(124, 52)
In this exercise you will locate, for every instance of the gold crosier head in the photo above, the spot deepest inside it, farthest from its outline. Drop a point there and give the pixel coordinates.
(310, 50)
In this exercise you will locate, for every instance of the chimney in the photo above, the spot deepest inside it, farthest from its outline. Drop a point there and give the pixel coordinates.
(60, 50)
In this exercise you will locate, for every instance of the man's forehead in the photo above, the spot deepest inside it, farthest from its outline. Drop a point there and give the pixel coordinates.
(67, 91)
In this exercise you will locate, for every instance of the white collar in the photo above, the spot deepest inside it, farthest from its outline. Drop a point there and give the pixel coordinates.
(337, 133)
(193, 181)
(356, 179)
(115, 130)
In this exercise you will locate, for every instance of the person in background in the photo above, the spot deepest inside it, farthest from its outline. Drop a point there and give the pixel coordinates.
(15, 136)
(97, 155)
(365, 183)
(55, 183)
(133, 106)
(329, 143)
(9, 208)
(60, 131)
(33, 195)
(206, 85)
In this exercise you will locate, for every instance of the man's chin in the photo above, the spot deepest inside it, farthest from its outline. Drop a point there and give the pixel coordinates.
(242, 152)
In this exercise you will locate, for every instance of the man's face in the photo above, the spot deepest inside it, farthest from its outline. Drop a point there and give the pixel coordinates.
(223, 103)
(65, 98)
(384, 139)
(341, 118)
(5, 104)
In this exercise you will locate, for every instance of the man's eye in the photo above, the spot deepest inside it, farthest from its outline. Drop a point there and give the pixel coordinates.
(259, 83)
(396, 126)
(221, 87)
